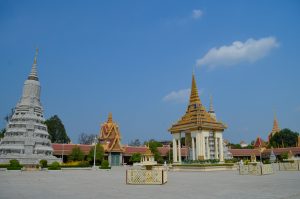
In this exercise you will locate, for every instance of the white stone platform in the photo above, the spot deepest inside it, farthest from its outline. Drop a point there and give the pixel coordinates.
(111, 184)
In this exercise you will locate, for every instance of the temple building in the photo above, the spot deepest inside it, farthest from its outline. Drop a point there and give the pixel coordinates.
(26, 138)
(200, 129)
(275, 128)
(110, 138)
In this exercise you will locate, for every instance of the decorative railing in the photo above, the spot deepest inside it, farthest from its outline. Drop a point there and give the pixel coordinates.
(289, 166)
(138, 176)
(256, 169)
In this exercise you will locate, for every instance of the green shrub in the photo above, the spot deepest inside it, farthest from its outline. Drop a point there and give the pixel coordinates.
(14, 165)
(104, 165)
(54, 166)
(43, 163)
(267, 161)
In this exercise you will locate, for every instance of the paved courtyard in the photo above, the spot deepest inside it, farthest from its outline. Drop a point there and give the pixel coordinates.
(111, 184)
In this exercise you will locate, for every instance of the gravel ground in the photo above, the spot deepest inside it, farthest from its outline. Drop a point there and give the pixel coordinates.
(84, 184)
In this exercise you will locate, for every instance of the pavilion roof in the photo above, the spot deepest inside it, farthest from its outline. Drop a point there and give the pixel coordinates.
(196, 116)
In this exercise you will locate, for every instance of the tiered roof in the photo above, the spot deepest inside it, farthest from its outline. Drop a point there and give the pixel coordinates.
(110, 136)
(259, 143)
(196, 117)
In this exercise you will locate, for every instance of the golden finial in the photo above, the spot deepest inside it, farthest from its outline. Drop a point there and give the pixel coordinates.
(109, 117)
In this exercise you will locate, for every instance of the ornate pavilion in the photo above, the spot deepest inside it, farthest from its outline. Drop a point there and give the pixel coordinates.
(200, 129)
(110, 138)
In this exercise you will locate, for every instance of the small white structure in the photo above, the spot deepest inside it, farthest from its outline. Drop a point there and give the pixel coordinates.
(148, 158)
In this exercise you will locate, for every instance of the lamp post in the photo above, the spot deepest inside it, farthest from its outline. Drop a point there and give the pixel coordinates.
(95, 143)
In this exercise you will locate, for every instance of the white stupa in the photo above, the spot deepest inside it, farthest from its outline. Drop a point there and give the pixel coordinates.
(26, 138)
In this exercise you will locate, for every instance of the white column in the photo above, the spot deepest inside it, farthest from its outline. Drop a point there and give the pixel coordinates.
(198, 146)
(216, 148)
(203, 146)
(193, 148)
(174, 150)
(221, 149)
(208, 148)
(179, 150)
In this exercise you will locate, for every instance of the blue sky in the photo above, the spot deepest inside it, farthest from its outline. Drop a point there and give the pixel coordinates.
(135, 59)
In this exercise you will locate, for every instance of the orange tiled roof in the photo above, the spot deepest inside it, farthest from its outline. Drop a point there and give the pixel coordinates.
(66, 149)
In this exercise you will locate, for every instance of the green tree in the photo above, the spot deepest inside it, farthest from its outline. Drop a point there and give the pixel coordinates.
(136, 157)
(76, 154)
(284, 138)
(235, 146)
(99, 154)
(85, 138)
(135, 142)
(56, 130)
(2, 132)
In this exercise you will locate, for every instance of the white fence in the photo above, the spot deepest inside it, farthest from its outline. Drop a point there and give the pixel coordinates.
(137, 176)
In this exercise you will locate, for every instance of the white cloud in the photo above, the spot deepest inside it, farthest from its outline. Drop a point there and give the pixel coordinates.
(249, 51)
(180, 96)
(197, 14)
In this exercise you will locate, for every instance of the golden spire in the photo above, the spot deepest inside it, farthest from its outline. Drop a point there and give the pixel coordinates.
(211, 107)
(110, 118)
(33, 74)
(194, 97)
(275, 125)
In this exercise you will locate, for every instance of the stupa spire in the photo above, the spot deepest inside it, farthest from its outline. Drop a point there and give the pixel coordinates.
(33, 74)
(194, 97)
(211, 108)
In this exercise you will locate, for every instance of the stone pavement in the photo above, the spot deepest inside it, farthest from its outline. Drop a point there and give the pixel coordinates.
(83, 184)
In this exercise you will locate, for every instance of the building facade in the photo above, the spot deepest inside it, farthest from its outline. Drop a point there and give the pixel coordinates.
(202, 133)
(26, 138)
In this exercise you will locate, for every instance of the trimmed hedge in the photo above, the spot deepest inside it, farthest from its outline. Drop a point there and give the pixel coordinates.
(82, 164)
(210, 161)
(4, 165)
